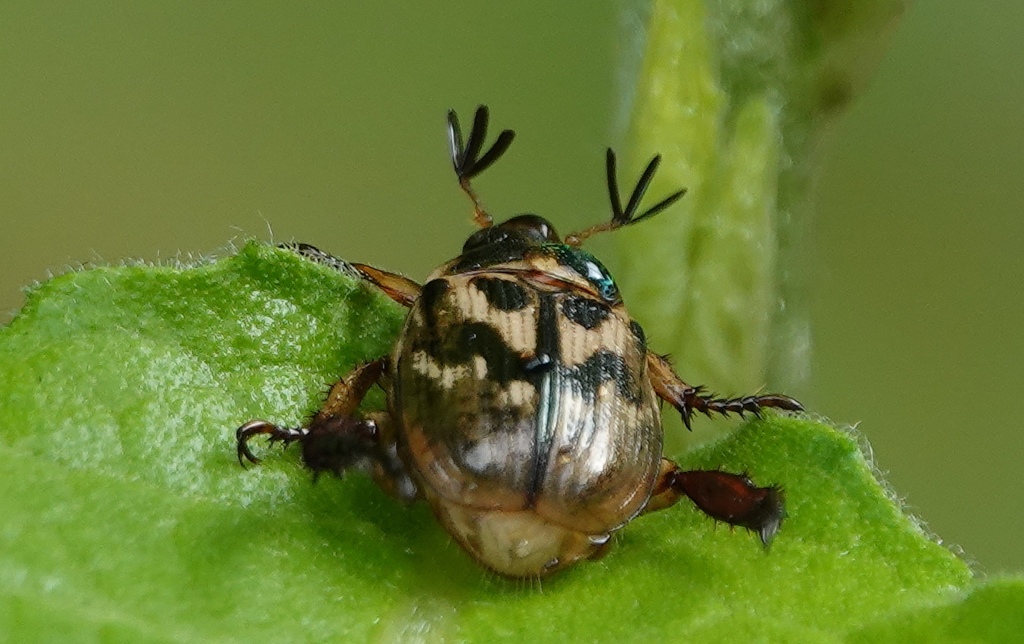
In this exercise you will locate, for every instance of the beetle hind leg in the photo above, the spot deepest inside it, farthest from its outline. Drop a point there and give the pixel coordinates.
(730, 498)
(695, 399)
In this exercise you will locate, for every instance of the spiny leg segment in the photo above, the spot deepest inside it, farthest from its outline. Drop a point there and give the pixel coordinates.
(687, 399)
(314, 254)
(728, 497)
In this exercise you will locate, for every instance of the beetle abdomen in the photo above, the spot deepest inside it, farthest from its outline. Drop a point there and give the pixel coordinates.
(516, 543)
(514, 397)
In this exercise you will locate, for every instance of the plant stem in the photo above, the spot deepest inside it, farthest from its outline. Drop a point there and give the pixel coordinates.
(735, 97)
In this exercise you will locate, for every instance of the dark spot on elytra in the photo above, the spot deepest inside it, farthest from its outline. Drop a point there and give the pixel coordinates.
(461, 344)
(504, 295)
(429, 300)
(584, 311)
(600, 368)
(638, 335)
(548, 349)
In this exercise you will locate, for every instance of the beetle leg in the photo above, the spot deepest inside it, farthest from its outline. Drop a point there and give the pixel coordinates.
(687, 399)
(314, 254)
(284, 435)
(400, 289)
(339, 438)
(340, 406)
(732, 498)
(467, 160)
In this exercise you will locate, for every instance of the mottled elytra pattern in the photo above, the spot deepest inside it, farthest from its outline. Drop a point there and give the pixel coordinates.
(526, 406)
(584, 311)
(466, 344)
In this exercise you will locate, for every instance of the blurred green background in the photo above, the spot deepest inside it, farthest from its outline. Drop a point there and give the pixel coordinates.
(158, 131)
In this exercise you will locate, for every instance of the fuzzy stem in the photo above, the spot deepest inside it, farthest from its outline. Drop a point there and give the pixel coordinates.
(735, 97)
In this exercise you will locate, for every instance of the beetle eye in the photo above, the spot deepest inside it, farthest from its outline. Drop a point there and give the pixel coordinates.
(599, 277)
(532, 227)
(587, 266)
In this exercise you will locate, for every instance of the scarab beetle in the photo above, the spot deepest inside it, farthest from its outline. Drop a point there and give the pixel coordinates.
(523, 402)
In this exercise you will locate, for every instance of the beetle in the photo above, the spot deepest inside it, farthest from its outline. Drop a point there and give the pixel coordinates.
(523, 403)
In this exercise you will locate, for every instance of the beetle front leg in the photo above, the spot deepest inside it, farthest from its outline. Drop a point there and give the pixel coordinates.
(317, 256)
(732, 498)
(400, 289)
(338, 438)
(687, 399)
(352, 434)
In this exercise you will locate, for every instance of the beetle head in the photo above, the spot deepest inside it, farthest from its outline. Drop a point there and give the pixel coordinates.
(521, 230)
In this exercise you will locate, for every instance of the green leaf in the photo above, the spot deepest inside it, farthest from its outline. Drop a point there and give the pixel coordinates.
(126, 515)
(991, 612)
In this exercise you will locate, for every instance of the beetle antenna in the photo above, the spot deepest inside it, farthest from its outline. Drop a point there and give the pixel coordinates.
(468, 162)
(628, 215)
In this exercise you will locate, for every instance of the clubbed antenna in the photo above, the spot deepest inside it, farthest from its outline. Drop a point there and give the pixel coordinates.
(467, 160)
(625, 217)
